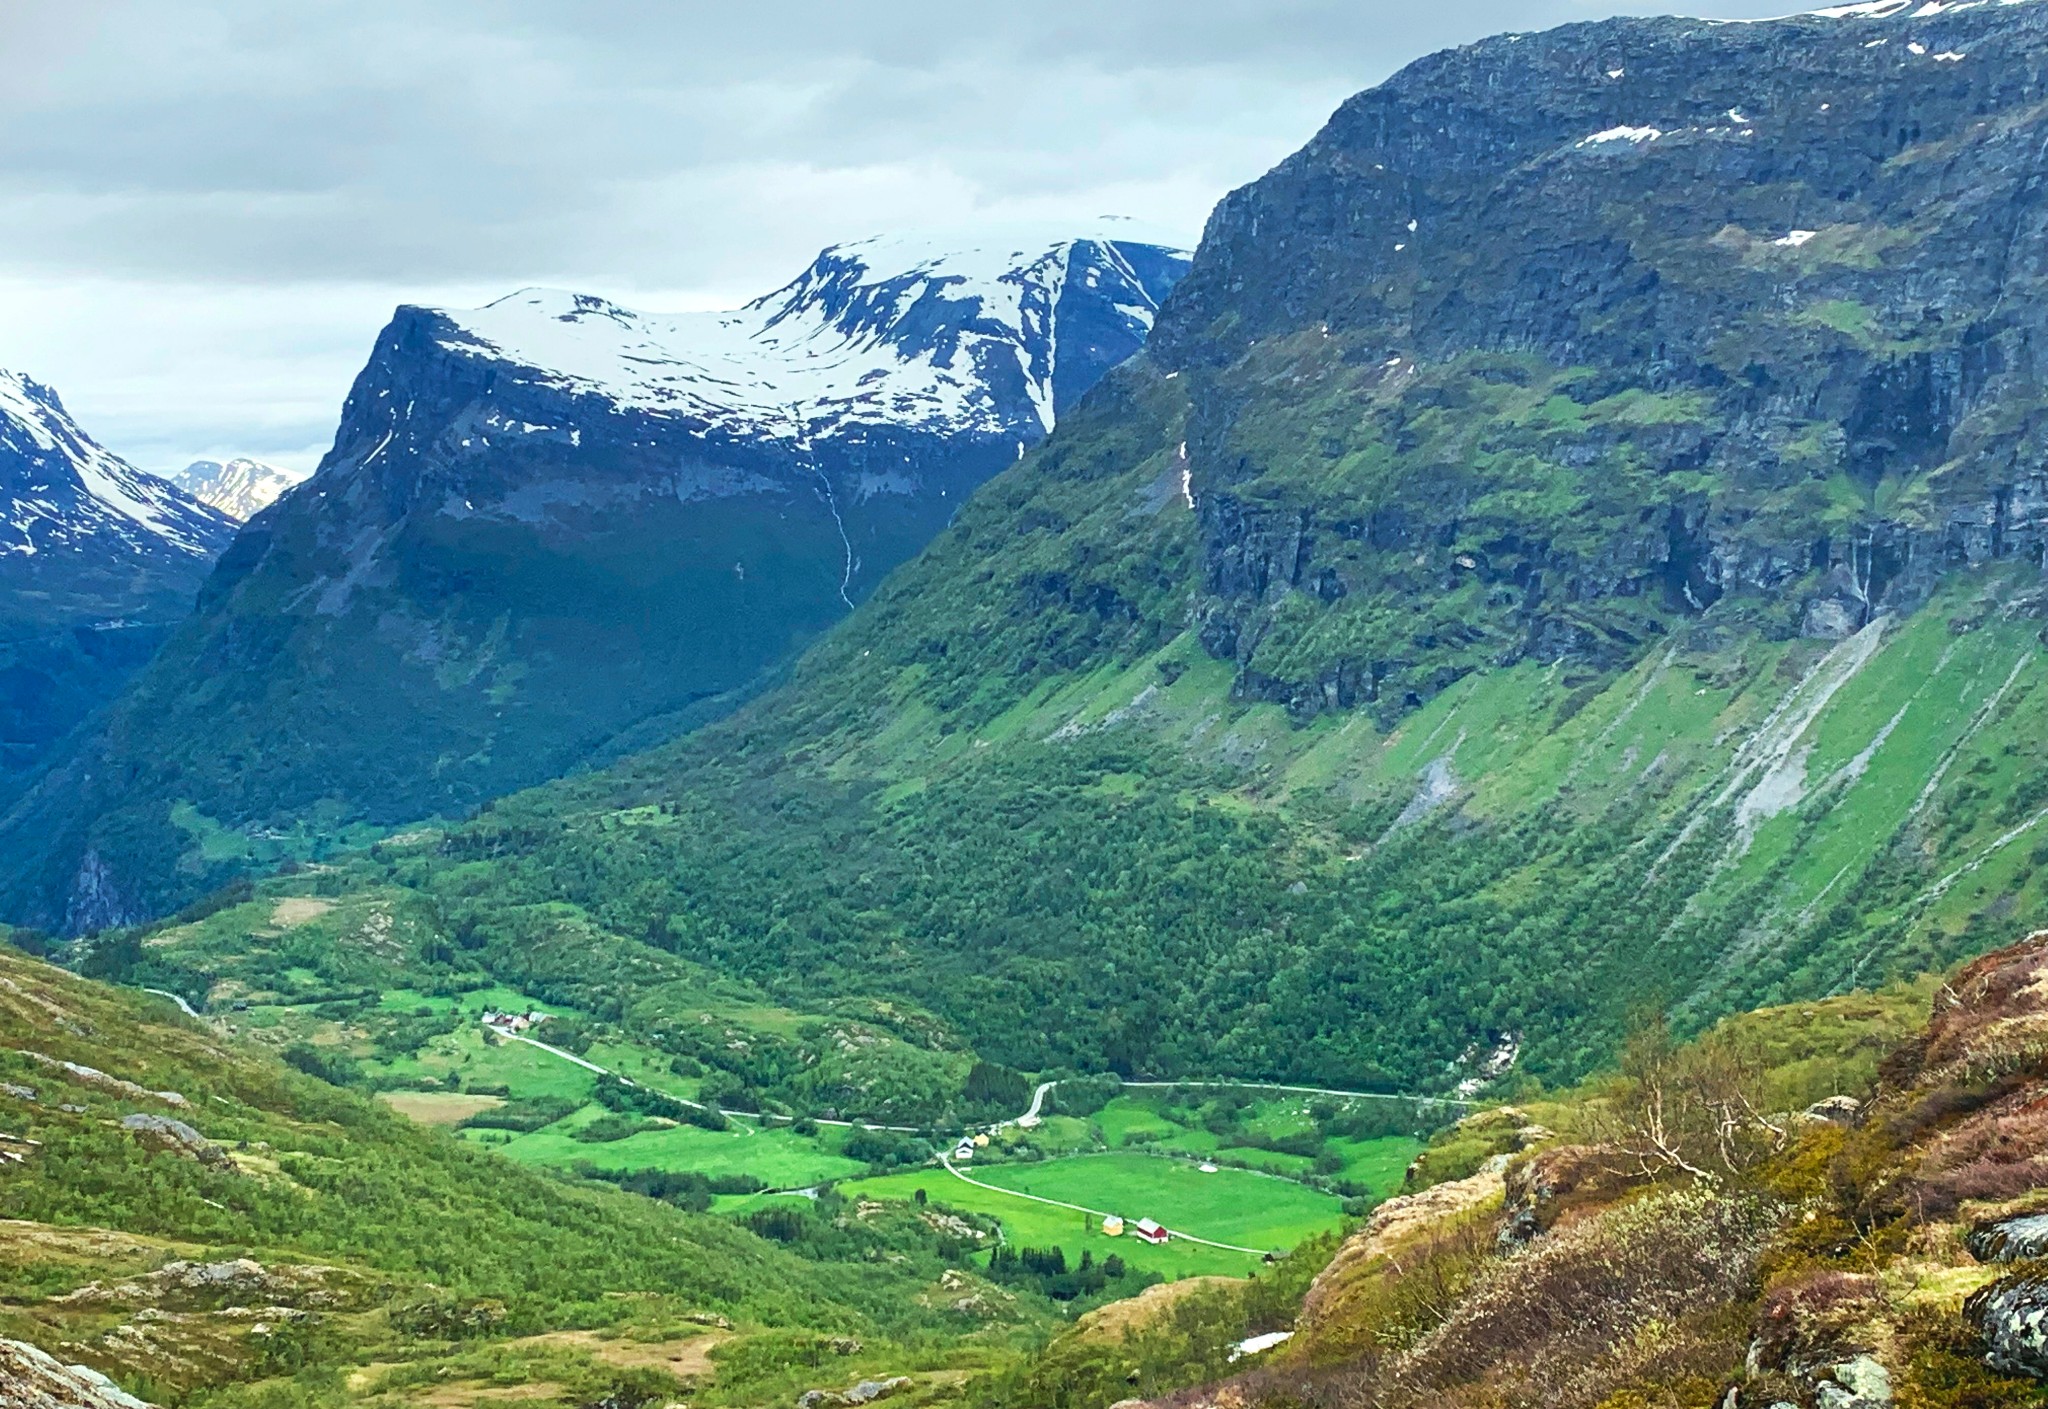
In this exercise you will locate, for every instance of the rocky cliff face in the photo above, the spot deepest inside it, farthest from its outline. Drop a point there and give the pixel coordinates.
(97, 561)
(554, 526)
(1586, 331)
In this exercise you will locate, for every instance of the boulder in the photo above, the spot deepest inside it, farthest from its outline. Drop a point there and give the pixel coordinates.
(164, 1133)
(2009, 1239)
(32, 1379)
(2012, 1316)
(866, 1392)
(1834, 1110)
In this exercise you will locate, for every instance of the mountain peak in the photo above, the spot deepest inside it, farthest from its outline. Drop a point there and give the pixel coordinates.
(890, 330)
(240, 487)
(60, 488)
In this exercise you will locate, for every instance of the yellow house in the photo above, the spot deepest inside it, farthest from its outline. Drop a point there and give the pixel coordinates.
(981, 1142)
(1112, 1226)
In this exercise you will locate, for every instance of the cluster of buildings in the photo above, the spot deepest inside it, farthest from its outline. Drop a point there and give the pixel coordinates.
(513, 1024)
(1145, 1230)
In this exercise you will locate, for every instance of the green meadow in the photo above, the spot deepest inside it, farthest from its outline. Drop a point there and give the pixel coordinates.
(1231, 1206)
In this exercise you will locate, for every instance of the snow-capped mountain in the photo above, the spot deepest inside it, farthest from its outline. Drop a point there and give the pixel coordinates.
(553, 529)
(239, 487)
(97, 561)
(60, 490)
(887, 331)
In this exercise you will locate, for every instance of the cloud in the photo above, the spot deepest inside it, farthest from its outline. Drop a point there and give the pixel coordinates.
(207, 207)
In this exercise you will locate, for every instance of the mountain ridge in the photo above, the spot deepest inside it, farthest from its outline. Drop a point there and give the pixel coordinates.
(98, 560)
(240, 487)
(527, 561)
(1308, 714)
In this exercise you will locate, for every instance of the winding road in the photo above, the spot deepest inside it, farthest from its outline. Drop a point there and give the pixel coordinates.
(589, 1065)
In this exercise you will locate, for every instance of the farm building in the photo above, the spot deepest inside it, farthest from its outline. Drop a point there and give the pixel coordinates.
(1112, 1226)
(514, 1023)
(1148, 1230)
(964, 1150)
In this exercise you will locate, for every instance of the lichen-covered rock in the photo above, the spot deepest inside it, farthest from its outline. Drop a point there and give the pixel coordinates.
(866, 1392)
(2012, 1316)
(1541, 1189)
(1859, 1383)
(33, 1379)
(2009, 1239)
(164, 1133)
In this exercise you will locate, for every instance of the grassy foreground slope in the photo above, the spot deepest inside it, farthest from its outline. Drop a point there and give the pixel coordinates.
(1679, 1233)
(210, 1227)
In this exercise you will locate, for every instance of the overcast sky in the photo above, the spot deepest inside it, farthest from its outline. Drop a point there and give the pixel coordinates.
(209, 207)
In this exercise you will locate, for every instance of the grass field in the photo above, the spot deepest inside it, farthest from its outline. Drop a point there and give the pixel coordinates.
(438, 1107)
(1131, 1122)
(777, 1157)
(1231, 1206)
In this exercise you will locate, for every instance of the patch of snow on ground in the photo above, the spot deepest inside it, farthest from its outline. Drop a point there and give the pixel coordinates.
(1255, 1344)
(1794, 239)
(1871, 10)
(1636, 135)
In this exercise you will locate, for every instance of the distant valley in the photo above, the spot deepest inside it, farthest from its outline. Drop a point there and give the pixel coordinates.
(553, 529)
(1444, 803)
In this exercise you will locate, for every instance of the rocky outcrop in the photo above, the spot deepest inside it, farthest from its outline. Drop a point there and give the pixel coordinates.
(2012, 1316)
(33, 1379)
(1543, 1189)
(1392, 1224)
(164, 1133)
(1551, 344)
(183, 1285)
(101, 1081)
(866, 1392)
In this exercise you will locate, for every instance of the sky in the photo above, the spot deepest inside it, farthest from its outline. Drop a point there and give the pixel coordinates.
(208, 208)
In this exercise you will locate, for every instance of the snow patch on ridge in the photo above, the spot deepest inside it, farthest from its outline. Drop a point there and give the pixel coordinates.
(893, 331)
(58, 485)
(1635, 135)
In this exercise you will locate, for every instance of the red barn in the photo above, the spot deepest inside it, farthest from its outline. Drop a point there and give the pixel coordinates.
(1148, 1230)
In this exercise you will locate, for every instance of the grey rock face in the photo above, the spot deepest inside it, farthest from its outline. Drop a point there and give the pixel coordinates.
(34, 1379)
(2012, 1316)
(2009, 1239)
(1814, 245)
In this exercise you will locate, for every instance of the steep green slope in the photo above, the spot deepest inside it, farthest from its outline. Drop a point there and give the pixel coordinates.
(1574, 543)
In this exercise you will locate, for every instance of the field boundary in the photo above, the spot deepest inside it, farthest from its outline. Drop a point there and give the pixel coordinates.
(1102, 1213)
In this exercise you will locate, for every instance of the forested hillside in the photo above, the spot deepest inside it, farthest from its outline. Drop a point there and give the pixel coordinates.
(1443, 640)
